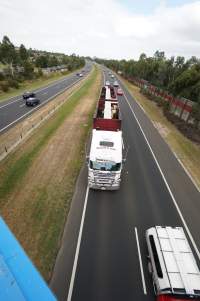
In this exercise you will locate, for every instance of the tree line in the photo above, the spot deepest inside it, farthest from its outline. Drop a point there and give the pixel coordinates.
(176, 75)
(19, 64)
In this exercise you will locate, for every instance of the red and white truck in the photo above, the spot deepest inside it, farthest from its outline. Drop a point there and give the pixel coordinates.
(105, 158)
(175, 273)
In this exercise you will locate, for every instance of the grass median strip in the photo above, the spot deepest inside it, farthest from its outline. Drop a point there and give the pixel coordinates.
(16, 170)
(187, 151)
(37, 181)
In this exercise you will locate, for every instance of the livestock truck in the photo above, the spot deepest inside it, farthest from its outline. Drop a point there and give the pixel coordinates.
(105, 158)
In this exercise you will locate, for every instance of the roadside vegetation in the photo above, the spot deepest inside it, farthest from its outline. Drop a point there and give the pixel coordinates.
(177, 77)
(21, 67)
(37, 181)
(187, 151)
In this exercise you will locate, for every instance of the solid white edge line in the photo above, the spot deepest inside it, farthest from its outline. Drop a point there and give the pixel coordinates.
(77, 248)
(187, 172)
(38, 90)
(167, 185)
(140, 261)
(11, 102)
(175, 155)
(43, 103)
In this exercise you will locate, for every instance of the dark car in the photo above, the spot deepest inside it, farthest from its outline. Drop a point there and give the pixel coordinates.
(32, 101)
(26, 95)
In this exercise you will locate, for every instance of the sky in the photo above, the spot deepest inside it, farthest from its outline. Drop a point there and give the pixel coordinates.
(118, 29)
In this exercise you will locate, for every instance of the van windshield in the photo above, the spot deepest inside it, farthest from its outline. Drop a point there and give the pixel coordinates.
(107, 166)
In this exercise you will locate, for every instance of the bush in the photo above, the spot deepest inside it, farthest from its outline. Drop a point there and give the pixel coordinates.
(64, 72)
(4, 86)
(39, 73)
(13, 83)
(2, 77)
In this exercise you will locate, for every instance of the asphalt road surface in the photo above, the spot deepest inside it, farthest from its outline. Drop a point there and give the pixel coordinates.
(15, 109)
(103, 252)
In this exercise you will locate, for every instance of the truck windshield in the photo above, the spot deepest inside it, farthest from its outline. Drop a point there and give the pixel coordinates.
(107, 166)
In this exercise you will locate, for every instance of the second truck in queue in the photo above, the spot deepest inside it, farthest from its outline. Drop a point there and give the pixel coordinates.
(105, 158)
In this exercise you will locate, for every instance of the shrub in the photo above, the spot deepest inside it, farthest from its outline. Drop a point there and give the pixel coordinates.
(2, 77)
(4, 85)
(13, 83)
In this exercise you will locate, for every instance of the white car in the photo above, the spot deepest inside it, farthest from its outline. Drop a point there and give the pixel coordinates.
(80, 75)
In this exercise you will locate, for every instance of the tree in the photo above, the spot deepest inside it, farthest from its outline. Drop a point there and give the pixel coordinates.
(53, 61)
(23, 53)
(159, 55)
(42, 61)
(8, 55)
(28, 69)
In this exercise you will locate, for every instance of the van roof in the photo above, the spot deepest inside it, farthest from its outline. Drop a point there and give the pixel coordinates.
(180, 270)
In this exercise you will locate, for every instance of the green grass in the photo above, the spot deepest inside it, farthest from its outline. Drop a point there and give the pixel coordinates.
(45, 214)
(31, 85)
(15, 172)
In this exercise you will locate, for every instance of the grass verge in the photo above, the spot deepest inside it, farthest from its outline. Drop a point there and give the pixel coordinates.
(15, 171)
(187, 151)
(38, 180)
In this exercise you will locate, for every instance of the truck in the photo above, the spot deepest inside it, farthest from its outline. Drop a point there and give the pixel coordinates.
(105, 157)
(174, 270)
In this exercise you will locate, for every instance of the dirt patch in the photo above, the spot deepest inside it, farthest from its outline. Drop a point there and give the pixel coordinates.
(36, 211)
(164, 131)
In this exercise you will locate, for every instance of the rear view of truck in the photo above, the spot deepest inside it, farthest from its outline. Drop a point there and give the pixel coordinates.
(105, 159)
(175, 274)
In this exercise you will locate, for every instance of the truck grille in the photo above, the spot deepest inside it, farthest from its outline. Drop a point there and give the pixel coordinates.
(102, 178)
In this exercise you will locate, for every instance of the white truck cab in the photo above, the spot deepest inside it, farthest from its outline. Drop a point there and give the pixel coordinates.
(105, 160)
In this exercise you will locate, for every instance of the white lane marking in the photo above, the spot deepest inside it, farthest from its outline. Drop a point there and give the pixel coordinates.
(44, 93)
(186, 171)
(167, 185)
(39, 90)
(77, 248)
(11, 102)
(175, 155)
(140, 261)
(22, 105)
(122, 143)
(104, 79)
(13, 122)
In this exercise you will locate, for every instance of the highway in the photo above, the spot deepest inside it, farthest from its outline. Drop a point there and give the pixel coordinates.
(103, 252)
(15, 109)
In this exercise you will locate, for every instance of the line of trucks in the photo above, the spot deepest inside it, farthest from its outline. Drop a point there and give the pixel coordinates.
(105, 158)
(171, 262)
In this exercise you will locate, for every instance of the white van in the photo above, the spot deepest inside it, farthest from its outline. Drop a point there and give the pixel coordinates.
(172, 264)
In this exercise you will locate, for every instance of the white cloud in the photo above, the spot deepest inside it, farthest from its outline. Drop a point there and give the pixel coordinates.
(101, 28)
